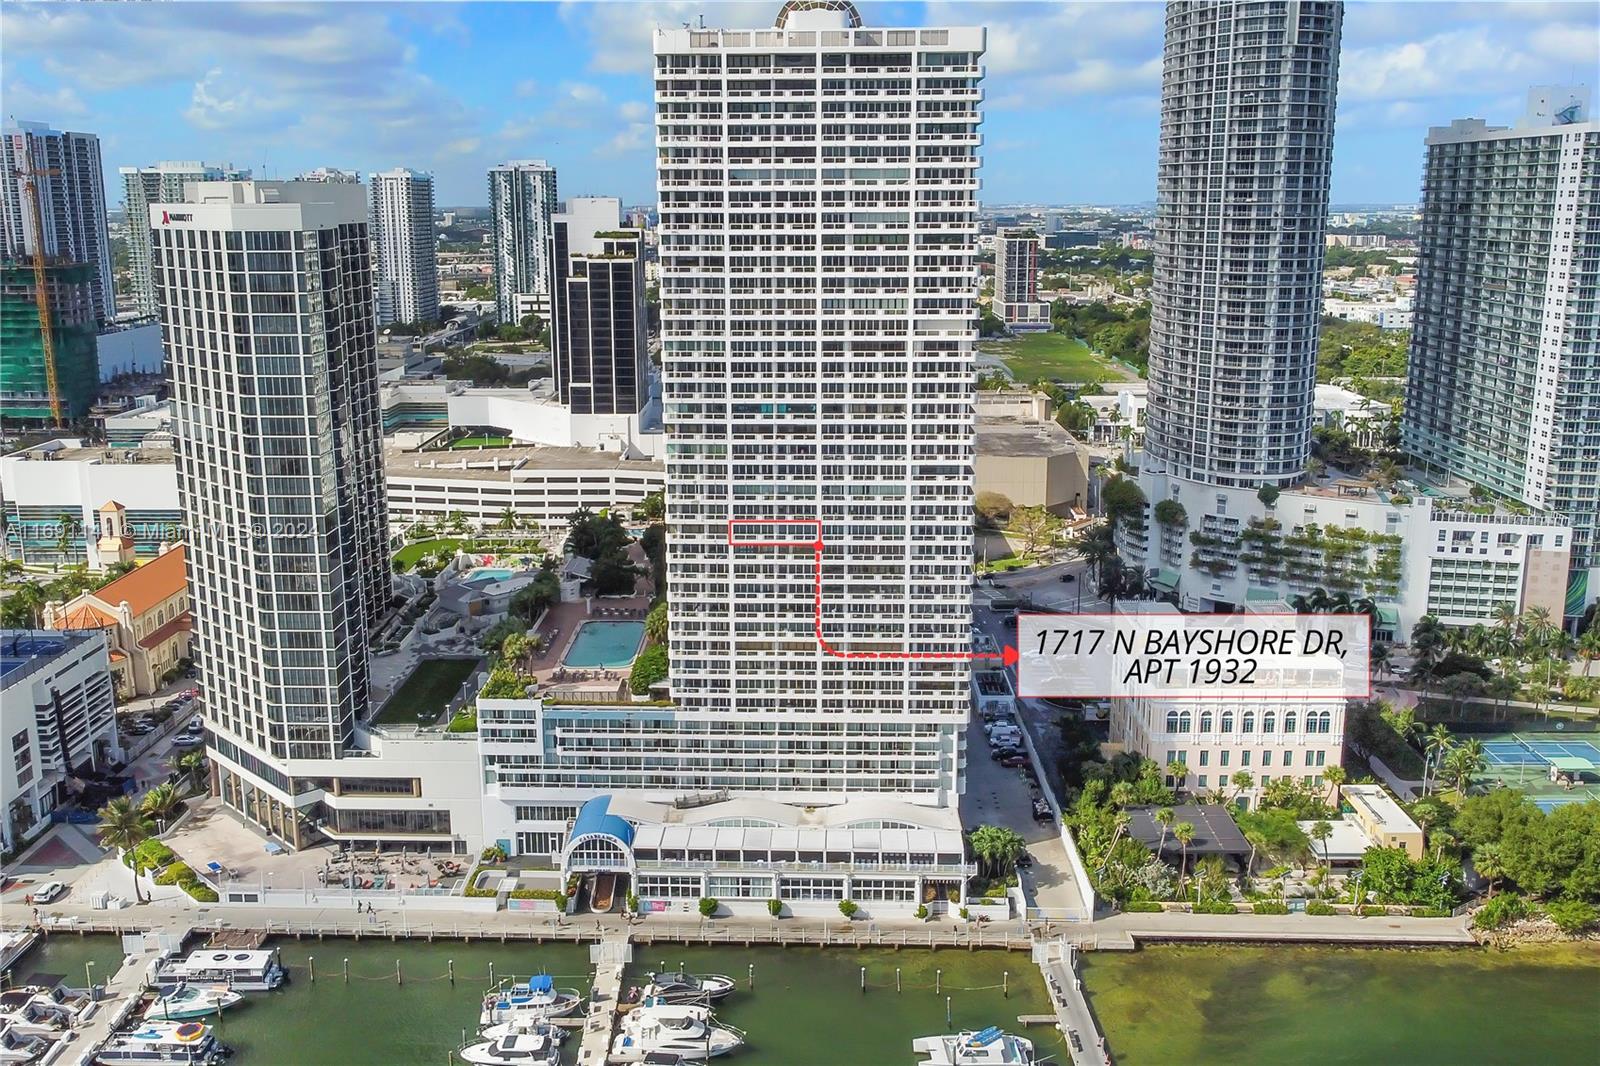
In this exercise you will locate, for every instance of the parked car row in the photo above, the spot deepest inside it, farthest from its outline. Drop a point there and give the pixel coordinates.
(1006, 748)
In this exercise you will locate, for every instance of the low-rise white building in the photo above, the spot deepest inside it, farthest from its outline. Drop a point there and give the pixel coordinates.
(1392, 313)
(1120, 406)
(1367, 421)
(57, 720)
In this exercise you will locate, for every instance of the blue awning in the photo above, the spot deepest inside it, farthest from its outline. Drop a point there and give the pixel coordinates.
(595, 817)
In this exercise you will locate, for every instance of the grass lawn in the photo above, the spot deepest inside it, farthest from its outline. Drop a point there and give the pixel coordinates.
(408, 555)
(426, 693)
(481, 442)
(1052, 356)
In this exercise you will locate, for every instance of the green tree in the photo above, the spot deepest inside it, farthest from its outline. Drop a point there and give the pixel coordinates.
(997, 848)
(1489, 864)
(649, 669)
(1321, 830)
(1036, 526)
(1184, 833)
(655, 623)
(160, 803)
(1164, 817)
(994, 509)
(775, 907)
(123, 826)
(848, 908)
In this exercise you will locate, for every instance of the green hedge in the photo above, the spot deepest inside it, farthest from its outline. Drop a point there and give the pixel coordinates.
(200, 891)
(1373, 911)
(152, 853)
(1318, 907)
(1429, 912)
(1271, 907)
(177, 873)
(1143, 906)
(1212, 906)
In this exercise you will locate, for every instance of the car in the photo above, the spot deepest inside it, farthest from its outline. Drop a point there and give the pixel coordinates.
(1017, 759)
(1025, 861)
(1041, 811)
(1003, 753)
(49, 891)
(1005, 740)
(1068, 578)
(1001, 725)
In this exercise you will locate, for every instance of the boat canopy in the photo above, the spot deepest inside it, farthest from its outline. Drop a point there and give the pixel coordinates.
(541, 983)
(987, 1036)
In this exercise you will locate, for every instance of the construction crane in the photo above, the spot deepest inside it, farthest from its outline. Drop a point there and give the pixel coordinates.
(41, 286)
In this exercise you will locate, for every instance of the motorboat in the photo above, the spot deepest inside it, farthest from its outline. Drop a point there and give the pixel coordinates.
(17, 1047)
(240, 971)
(163, 1044)
(672, 1058)
(525, 1024)
(187, 1002)
(679, 1029)
(517, 1049)
(682, 987)
(986, 1047)
(537, 999)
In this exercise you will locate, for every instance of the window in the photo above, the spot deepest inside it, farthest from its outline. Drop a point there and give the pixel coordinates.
(1321, 757)
(1308, 758)
(1185, 722)
(1205, 760)
(1266, 760)
(1227, 721)
(1288, 721)
(1172, 721)
(1244, 758)
(1202, 776)
(1269, 722)
(1249, 724)
(1205, 722)
(1225, 754)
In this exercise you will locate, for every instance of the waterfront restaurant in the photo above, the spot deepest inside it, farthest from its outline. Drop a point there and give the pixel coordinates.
(744, 852)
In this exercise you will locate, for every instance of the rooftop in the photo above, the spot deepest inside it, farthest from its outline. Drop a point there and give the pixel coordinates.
(1215, 831)
(1379, 808)
(72, 450)
(1014, 437)
(498, 464)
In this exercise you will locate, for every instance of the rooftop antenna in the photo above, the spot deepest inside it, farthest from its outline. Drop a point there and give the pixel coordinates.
(702, 21)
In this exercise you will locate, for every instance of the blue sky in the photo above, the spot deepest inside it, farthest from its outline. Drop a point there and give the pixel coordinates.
(1071, 110)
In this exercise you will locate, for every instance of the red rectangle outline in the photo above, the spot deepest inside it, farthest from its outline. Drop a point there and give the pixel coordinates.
(812, 543)
(1017, 636)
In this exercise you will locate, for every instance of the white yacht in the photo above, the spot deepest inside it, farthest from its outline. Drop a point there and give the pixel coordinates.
(187, 1002)
(518, 1049)
(683, 987)
(987, 1047)
(241, 971)
(654, 1028)
(163, 1044)
(524, 1024)
(538, 999)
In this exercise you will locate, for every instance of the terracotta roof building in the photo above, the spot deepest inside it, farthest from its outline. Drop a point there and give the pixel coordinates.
(145, 614)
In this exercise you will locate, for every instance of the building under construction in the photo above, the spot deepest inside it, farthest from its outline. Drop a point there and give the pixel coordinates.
(24, 379)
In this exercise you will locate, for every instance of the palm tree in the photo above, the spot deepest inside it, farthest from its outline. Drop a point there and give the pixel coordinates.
(1320, 832)
(1163, 818)
(124, 827)
(1589, 648)
(1381, 659)
(1436, 747)
(1489, 864)
(1242, 781)
(1180, 773)
(1184, 831)
(997, 848)
(192, 765)
(160, 802)
(1335, 776)
(508, 519)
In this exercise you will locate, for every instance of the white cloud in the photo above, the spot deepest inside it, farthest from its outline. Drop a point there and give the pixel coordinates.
(526, 87)
(25, 101)
(620, 34)
(213, 105)
(635, 137)
(634, 110)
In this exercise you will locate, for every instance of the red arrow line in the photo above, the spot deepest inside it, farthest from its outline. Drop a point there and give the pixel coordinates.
(1007, 657)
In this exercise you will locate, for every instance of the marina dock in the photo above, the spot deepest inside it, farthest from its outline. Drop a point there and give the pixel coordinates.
(119, 996)
(611, 957)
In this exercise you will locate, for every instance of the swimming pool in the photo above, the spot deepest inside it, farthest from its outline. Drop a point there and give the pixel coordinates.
(605, 645)
(483, 575)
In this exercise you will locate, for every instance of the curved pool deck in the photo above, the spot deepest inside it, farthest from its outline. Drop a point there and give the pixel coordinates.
(604, 645)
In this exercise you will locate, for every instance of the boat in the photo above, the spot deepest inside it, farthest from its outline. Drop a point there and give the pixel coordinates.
(517, 1049)
(538, 999)
(187, 1002)
(240, 971)
(163, 1044)
(14, 944)
(682, 987)
(676, 1029)
(19, 1047)
(524, 1023)
(986, 1047)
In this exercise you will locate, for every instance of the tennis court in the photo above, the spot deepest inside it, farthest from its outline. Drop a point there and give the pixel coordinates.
(1528, 762)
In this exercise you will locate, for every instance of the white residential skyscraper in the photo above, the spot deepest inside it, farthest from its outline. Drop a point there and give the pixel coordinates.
(1503, 382)
(522, 197)
(818, 197)
(162, 183)
(69, 181)
(1247, 102)
(265, 291)
(404, 251)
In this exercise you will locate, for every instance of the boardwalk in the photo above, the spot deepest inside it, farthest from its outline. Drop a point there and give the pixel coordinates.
(1057, 959)
(611, 956)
